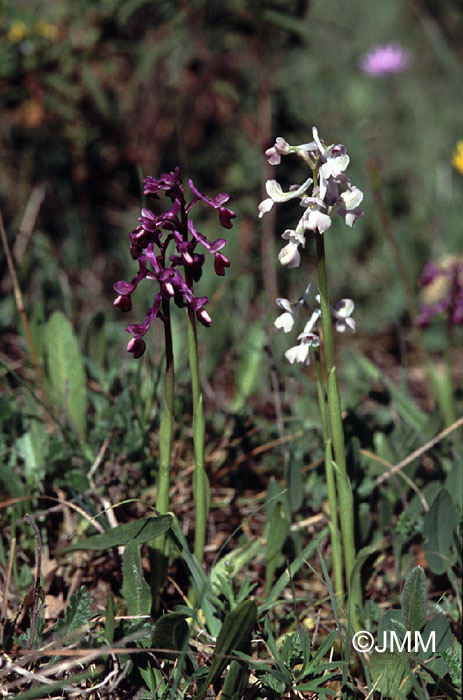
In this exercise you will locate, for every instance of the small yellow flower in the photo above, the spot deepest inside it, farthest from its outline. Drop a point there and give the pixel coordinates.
(17, 32)
(457, 157)
(46, 30)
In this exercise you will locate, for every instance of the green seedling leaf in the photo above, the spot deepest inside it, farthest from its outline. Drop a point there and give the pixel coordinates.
(32, 446)
(234, 635)
(323, 648)
(277, 531)
(135, 590)
(273, 648)
(201, 586)
(293, 569)
(249, 372)
(439, 524)
(452, 657)
(295, 487)
(109, 620)
(443, 633)
(170, 632)
(407, 409)
(77, 614)
(391, 674)
(140, 531)
(66, 375)
(415, 600)
(443, 387)
(235, 682)
(228, 567)
(390, 621)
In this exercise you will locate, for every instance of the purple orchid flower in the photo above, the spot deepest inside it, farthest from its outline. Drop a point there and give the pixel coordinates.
(449, 288)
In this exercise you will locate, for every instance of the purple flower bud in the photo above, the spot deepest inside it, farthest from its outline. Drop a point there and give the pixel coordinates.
(136, 346)
(204, 318)
(123, 302)
(167, 290)
(272, 155)
(225, 216)
(168, 181)
(280, 148)
(220, 263)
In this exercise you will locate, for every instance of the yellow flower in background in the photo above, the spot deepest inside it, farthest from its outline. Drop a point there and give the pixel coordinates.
(457, 158)
(46, 30)
(17, 32)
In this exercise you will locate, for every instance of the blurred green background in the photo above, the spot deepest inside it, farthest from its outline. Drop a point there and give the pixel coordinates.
(95, 95)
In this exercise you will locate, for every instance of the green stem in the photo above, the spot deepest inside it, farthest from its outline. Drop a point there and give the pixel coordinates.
(167, 420)
(330, 483)
(166, 431)
(200, 480)
(346, 510)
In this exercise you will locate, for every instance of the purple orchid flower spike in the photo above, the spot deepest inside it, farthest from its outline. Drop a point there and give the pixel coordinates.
(176, 274)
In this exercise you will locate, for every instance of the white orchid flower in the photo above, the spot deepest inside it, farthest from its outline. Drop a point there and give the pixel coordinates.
(342, 313)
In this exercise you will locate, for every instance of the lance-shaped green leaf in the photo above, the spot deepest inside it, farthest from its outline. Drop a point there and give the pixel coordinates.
(66, 374)
(235, 681)
(109, 619)
(277, 531)
(415, 600)
(140, 531)
(135, 590)
(234, 634)
(249, 371)
(391, 674)
(170, 632)
(439, 524)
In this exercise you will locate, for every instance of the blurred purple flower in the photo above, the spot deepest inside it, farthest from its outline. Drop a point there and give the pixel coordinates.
(176, 276)
(384, 60)
(447, 294)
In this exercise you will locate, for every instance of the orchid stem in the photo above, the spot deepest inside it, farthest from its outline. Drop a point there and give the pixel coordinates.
(330, 483)
(346, 510)
(200, 480)
(166, 431)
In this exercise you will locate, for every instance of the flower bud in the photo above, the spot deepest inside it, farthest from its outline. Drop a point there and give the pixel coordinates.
(136, 346)
(123, 302)
(220, 263)
(204, 318)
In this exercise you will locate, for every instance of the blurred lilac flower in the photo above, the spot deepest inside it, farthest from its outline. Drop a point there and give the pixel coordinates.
(175, 275)
(443, 292)
(384, 60)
